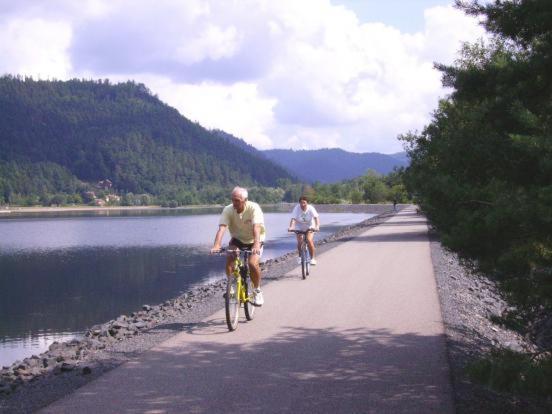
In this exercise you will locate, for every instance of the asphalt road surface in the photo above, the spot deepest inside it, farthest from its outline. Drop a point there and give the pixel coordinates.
(363, 334)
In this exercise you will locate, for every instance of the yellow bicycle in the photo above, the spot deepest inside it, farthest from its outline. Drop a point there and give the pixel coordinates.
(239, 289)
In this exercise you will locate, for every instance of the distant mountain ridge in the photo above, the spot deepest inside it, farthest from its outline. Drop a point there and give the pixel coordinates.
(331, 165)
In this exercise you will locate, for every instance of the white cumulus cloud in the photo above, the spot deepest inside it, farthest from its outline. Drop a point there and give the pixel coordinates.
(300, 74)
(35, 47)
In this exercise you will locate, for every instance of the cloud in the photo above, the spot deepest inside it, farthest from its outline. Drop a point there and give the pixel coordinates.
(238, 109)
(192, 41)
(302, 74)
(361, 85)
(35, 47)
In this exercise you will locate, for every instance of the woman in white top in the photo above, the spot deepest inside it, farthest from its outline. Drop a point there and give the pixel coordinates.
(304, 217)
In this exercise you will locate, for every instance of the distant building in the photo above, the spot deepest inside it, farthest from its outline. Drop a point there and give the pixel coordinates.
(105, 184)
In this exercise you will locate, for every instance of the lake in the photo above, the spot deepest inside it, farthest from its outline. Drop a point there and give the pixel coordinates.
(61, 274)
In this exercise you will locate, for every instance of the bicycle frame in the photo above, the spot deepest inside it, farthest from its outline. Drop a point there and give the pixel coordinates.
(239, 289)
(304, 251)
(241, 273)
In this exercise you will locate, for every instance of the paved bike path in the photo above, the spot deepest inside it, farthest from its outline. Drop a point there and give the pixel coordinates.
(363, 334)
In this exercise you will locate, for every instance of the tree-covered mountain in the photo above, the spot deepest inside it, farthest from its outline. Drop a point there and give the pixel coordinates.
(401, 156)
(54, 134)
(238, 142)
(333, 165)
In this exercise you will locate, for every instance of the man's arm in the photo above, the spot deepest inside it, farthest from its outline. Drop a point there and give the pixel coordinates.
(317, 223)
(292, 224)
(256, 249)
(218, 238)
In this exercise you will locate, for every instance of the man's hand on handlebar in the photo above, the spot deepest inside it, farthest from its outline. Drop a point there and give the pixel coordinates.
(256, 249)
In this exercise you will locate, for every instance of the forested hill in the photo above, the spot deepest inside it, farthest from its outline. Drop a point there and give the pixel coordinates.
(333, 165)
(73, 131)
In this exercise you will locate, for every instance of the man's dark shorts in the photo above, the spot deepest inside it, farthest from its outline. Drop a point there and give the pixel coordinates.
(240, 245)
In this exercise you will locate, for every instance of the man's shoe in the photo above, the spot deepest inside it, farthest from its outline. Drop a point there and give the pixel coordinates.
(258, 299)
(313, 262)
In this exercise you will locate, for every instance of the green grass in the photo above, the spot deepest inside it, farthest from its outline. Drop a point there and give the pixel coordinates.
(514, 372)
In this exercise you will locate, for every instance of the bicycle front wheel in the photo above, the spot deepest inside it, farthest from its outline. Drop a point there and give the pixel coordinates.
(304, 269)
(248, 305)
(232, 302)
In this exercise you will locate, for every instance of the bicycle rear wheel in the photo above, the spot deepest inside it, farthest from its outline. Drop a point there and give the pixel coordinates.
(232, 302)
(248, 305)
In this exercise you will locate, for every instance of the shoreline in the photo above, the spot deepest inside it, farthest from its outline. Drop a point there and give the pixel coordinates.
(95, 208)
(367, 208)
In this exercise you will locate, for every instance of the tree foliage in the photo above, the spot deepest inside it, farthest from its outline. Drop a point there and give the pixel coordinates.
(482, 169)
(370, 188)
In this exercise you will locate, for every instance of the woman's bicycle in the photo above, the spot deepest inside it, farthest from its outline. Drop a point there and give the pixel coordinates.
(239, 289)
(304, 251)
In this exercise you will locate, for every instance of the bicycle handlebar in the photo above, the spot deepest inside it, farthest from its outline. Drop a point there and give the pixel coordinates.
(302, 231)
(234, 251)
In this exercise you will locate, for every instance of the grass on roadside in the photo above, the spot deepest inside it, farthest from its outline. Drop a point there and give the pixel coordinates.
(513, 372)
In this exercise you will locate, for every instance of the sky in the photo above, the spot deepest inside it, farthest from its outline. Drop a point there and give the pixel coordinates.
(309, 74)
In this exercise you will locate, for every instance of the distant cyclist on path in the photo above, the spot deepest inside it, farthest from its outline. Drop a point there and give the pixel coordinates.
(245, 221)
(304, 216)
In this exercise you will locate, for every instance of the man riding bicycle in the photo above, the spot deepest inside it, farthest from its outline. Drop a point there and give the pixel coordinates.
(305, 217)
(245, 221)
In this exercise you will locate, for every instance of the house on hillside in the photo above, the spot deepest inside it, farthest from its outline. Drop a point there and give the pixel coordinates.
(105, 184)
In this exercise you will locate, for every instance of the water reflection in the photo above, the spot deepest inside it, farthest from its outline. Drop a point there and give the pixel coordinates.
(59, 276)
(69, 289)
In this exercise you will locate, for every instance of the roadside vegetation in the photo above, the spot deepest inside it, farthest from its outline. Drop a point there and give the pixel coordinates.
(482, 172)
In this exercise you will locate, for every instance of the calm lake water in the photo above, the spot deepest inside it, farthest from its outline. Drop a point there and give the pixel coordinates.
(59, 275)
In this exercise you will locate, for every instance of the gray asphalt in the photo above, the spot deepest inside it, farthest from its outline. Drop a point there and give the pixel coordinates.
(363, 334)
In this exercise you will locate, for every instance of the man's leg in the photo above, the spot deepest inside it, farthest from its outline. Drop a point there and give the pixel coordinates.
(299, 242)
(230, 260)
(310, 243)
(255, 270)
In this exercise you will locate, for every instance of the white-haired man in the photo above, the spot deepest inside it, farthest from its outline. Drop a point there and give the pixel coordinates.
(245, 221)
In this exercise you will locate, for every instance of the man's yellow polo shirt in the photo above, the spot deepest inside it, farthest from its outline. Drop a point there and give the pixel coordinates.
(241, 225)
